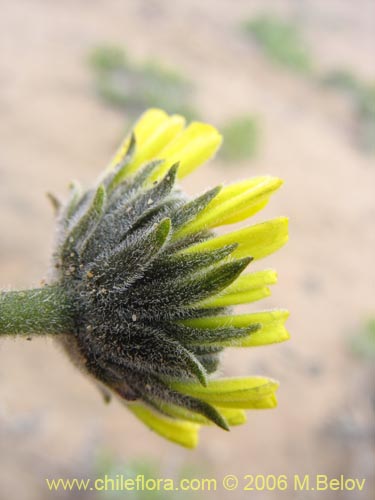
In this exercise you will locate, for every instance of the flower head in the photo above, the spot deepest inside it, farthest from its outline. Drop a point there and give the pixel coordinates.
(153, 285)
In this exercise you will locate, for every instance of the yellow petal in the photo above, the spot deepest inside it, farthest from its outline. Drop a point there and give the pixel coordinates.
(232, 416)
(192, 147)
(272, 327)
(233, 204)
(263, 403)
(256, 241)
(158, 138)
(178, 431)
(243, 393)
(234, 299)
(236, 189)
(146, 124)
(270, 333)
(247, 288)
(149, 121)
(153, 132)
(253, 281)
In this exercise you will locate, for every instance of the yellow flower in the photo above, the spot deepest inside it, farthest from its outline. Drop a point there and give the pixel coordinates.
(155, 285)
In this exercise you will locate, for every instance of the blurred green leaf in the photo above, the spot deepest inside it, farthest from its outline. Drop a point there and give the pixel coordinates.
(341, 79)
(133, 87)
(362, 98)
(107, 57)
(241, 138)
(363, 344)
(366, 117)
(281, 41)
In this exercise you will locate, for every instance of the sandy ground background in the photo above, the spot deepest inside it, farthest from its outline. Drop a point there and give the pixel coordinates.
(54, 128)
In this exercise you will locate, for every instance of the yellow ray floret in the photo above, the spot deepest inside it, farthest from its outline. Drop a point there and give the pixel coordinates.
(163, 137)
(233, 204)
(243, 393)
(272, 327)
(233, 416)
(155, 143)
(234, 299)
(194, 146)
(181, 432)
(245, 289)
(256, 241)
(147, 124)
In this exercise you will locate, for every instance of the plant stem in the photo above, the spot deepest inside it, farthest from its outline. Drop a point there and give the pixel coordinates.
(42, 311)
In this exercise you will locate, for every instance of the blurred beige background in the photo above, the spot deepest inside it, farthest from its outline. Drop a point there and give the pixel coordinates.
(54, 128)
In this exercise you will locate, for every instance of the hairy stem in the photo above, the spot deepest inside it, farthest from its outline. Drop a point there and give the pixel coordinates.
(41, 311)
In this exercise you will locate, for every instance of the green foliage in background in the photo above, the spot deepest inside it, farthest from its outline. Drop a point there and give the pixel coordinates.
(365, 110)
(341, 79)
(132, 87)
(363, 344)
(362, 96)
(241, 138)
(280, 40)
